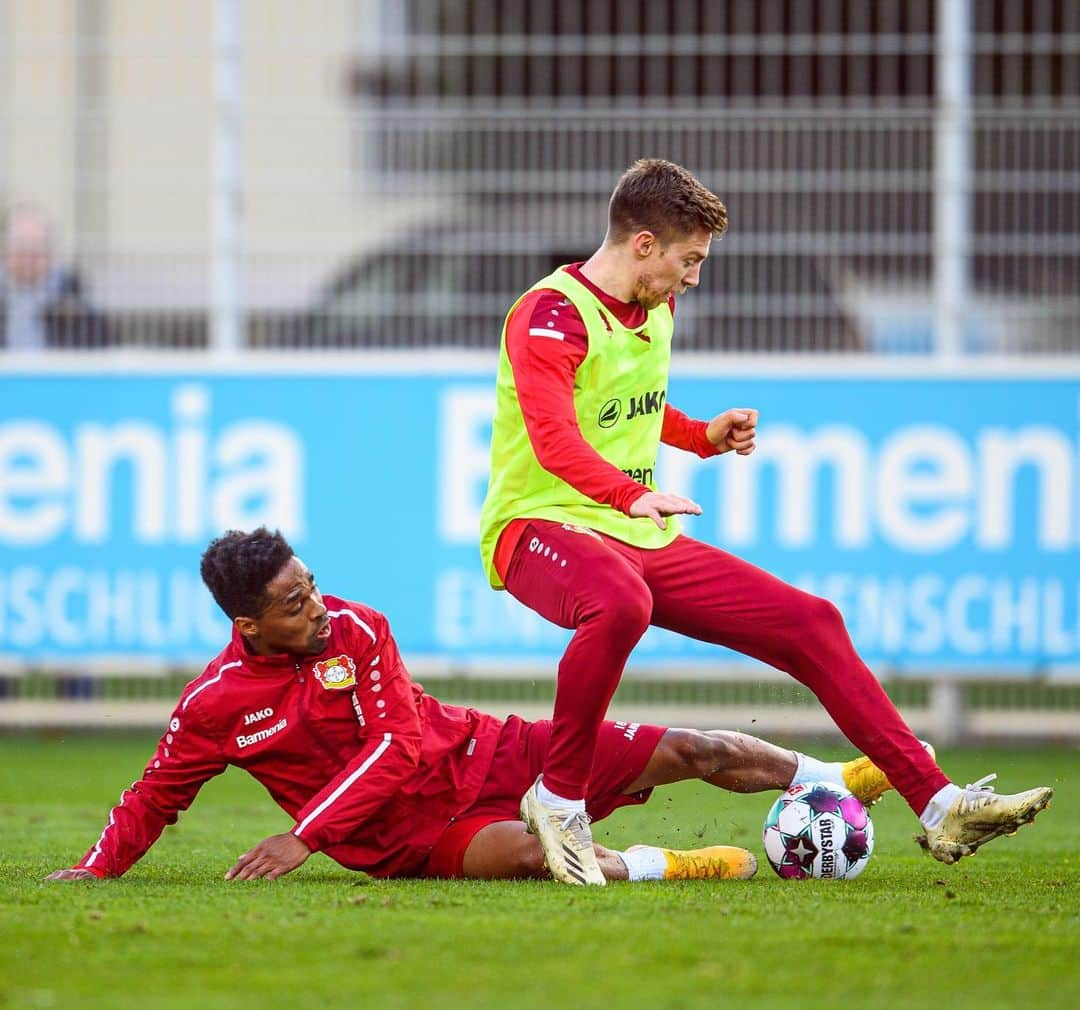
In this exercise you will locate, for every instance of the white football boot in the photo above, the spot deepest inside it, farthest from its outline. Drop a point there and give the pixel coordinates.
(566, 840)
(978, 815)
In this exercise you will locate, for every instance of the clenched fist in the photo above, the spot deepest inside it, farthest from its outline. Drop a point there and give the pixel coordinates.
(734, 429)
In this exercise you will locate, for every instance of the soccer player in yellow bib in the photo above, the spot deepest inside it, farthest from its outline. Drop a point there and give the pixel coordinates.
(575, 527)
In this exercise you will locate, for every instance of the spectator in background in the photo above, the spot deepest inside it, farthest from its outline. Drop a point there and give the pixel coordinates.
(41, 302)
(41, 306)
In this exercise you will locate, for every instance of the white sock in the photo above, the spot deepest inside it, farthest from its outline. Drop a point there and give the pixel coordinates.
(939, 805)
(550, 799)
(810, 769)
(645, 863)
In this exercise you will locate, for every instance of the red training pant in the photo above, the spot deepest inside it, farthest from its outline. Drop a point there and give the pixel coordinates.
(623, 752)
(610, 592)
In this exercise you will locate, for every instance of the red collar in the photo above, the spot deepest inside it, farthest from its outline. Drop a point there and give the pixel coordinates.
(630, 314)
(279, 662)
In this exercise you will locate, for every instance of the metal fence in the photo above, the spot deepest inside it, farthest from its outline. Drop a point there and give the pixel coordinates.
(902, 176)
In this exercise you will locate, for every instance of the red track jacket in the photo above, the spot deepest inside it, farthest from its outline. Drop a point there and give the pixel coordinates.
(371, 768)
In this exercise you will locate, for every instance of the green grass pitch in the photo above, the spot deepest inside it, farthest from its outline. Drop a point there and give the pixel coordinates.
(999, 930)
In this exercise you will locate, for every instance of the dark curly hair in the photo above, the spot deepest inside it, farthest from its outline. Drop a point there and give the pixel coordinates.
(238, 566)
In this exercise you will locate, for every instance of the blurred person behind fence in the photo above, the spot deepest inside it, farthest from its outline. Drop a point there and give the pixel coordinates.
(41, 301)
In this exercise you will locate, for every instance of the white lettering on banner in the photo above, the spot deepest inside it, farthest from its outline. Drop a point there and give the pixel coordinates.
(97, 451)
(921, 617)
(1015, 606)
(797, 457)
(972, 615)
(263, 477)
(469, 615)
(924, 615)
(34, 475)
(76, 608)
(65, 630)
(1057, 638)
(967, 613)
(924, 489)
(1002, 454)
(184, 483)
(464, 459)
(191, 407)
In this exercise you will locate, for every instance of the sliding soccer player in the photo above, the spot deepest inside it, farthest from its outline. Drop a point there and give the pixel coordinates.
(312, 699)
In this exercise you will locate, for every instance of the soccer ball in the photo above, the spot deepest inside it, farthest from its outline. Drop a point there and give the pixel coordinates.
(818, 829)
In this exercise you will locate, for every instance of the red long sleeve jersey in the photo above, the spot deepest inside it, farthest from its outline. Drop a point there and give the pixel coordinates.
(370, 767)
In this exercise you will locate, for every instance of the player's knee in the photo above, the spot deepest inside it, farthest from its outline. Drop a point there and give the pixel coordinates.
(701, 754)
(814, 616)
(627, 610)
(825, 619)
(829, 613)
(528, 858)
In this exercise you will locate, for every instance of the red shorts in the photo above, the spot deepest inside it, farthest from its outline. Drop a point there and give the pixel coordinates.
(622, 752)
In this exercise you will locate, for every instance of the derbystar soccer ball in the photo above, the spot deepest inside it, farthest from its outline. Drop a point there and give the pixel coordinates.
(818, 830)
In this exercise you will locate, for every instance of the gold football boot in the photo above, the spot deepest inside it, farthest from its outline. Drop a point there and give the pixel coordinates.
(715, 862)
(978, 815)
(867, 781)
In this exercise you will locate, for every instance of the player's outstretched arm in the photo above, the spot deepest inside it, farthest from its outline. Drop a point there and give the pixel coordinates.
(734, 429)
(186, 757)
(273, 857)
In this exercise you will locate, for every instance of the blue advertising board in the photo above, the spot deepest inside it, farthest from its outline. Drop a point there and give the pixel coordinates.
(941, 514)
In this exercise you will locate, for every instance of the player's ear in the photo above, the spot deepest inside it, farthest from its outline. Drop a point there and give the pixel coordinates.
(643, 243)
(247, 626)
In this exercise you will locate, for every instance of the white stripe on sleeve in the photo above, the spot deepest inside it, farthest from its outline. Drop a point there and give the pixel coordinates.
(212, 680)
(375, 755)
(96, 851)
(539, 331)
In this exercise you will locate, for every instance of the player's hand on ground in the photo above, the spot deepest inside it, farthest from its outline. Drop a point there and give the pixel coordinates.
(655, 505)
(734, 429)
(76, 874)
(273, 857)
